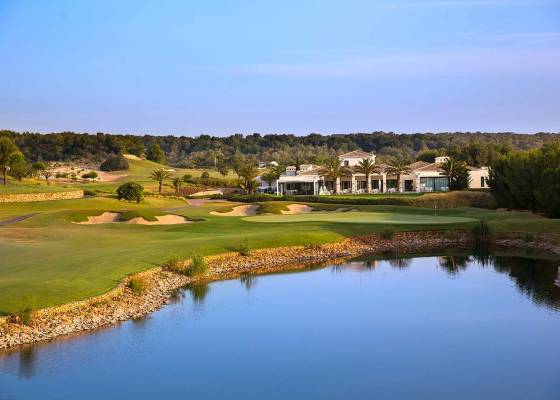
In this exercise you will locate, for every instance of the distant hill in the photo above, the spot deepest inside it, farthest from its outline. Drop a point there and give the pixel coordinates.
(477, 148)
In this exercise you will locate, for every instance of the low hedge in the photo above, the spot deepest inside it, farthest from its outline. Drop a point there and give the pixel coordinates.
(457, 199)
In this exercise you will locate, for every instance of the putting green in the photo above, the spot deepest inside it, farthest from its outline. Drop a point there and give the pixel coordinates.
(360, 218)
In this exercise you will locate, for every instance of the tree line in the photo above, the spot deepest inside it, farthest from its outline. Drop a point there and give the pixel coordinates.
(475, 148)
(528, 180)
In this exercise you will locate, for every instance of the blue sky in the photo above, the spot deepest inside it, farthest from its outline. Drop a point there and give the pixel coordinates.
(222, 67)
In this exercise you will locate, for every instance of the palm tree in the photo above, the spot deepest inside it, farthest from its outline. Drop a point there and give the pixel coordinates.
(269, 177)
(159, 175)
(398, 167)
(247, 174)
(457, 172)
(177, 183)
(333, 169)
(368, 168)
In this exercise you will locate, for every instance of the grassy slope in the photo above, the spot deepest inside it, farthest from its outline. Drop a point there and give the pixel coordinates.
(47, 260)
(139, 171)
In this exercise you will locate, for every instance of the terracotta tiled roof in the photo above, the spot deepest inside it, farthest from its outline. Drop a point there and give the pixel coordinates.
(418, 164)
(355, 154)
(435, 167)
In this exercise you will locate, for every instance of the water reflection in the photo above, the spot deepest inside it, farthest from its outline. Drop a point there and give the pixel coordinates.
(248, 280)
(198, 292)
(27, 362)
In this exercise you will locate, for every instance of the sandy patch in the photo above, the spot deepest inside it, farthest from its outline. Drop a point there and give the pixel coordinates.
(131, 157)
(112, 218)
(297, 209)
(105, 218)
(168, 219)
(239, 211)
(207, 193)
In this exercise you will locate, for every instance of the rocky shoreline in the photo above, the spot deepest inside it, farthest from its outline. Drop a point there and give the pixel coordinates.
(121, 303)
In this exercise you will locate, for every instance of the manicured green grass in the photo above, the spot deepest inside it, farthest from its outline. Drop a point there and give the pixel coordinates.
(361, 218)
(33, 186)
(47, 259)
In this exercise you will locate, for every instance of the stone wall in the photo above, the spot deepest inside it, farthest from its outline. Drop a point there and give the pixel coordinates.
(28, 197)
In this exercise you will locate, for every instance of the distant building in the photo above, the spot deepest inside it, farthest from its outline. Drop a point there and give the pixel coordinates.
(424, 177)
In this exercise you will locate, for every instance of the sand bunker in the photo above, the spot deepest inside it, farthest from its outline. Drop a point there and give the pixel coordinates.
(112, 218)
(297, 209)
(239, 211)
(168, 219)
(105, 218)
(131, 157)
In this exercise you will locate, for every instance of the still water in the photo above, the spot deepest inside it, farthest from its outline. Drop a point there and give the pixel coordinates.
(459, 327)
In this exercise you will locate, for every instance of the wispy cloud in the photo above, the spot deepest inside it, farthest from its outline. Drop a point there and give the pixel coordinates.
(481, 62)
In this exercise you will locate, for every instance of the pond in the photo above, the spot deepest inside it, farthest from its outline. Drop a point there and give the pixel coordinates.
(430, 327)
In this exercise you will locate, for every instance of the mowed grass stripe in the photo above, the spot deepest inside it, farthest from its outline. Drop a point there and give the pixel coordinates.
(361, 218)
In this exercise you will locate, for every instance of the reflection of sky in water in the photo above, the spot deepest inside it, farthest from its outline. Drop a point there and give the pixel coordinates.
(433, 327)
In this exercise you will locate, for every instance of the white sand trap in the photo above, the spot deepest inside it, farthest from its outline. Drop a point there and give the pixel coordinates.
(131, 157)
(168, 219)
(297, 209)
(105, 218)
(207, 193)
(112, 218)
(239, 211)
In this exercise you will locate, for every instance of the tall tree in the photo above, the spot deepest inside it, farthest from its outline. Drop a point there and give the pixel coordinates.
(248, 174)
(177, 183)
(9, 153)
(20, 168)
(457, 173)
(159, 175)
(398, 167)
(333, 169)
(368, 168)
(156, 154)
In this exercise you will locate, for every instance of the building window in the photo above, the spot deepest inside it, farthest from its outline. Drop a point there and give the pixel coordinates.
(435, 184)
(408, 185)
(482, 182)
(346, 163)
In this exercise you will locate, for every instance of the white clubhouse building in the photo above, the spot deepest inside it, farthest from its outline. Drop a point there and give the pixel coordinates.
(424, 177)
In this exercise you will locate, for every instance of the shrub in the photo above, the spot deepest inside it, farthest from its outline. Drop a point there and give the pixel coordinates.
(131, 191)
(244, 248)
(198, 266)
(529, 237)
(388, 233)
(138, 284)
(90, 175)
(174, 264)
(114, 163)
(205, 175)
(89, 193)
(23, 316)
(481, 232)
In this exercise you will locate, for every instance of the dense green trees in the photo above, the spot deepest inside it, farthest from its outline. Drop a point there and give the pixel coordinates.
(206, 151)
(528, 180)
(156, 154)
(115, 162)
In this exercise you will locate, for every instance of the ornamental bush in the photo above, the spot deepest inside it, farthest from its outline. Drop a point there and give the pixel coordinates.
(114, 163)
(131, 191)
